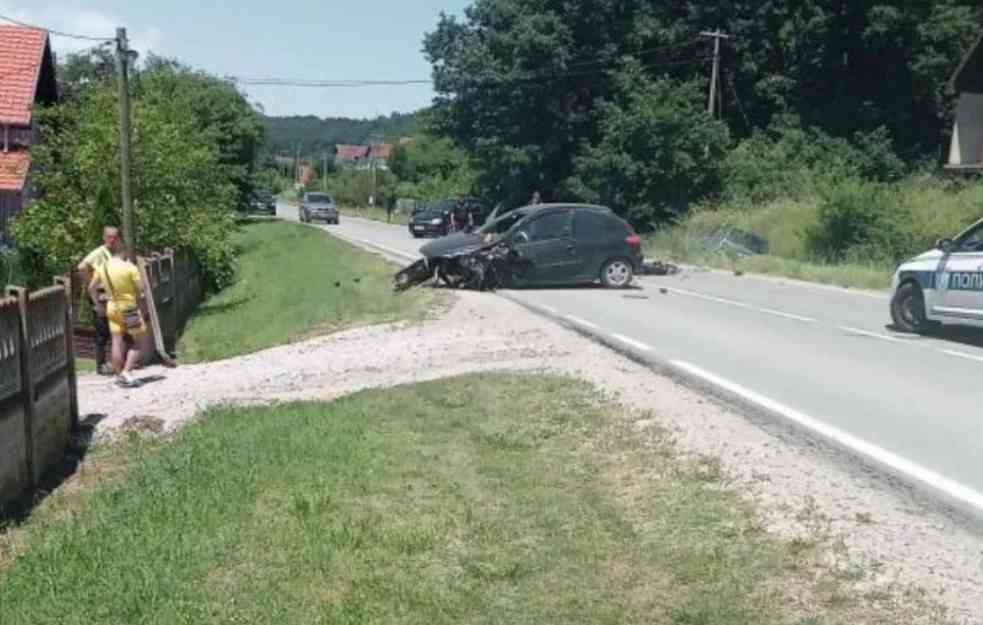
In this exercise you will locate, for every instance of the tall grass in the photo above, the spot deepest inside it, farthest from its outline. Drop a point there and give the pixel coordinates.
(920, 211)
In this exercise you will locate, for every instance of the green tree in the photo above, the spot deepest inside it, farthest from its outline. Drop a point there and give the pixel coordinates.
(660, 151)
(191, 148)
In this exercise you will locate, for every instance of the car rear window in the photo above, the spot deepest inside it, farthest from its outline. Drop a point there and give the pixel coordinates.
(319, 197)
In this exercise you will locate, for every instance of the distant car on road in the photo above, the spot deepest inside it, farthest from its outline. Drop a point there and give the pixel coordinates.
(263, 202)
(434, 219)
(943, 285)
(545, 244)
(318, 207)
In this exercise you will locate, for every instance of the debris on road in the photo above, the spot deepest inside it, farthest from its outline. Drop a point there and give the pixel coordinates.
(659, 268)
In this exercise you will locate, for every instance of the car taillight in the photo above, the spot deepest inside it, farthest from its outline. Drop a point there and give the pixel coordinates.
(633, 240)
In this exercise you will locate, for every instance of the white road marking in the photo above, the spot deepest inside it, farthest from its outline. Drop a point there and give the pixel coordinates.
(895, 462)
(873, 335)
(730, 302)
(636, 344)
(778, 313)
(958, 354)
(709, 298)
(582, 322)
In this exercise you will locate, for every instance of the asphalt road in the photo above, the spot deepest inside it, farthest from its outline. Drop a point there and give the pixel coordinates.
(820, 358)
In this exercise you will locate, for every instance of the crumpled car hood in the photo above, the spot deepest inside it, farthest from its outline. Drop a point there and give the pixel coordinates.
(452, 245)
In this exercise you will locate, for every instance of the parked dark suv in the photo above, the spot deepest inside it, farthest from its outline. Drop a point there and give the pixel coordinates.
(263, 202)
(434, 219)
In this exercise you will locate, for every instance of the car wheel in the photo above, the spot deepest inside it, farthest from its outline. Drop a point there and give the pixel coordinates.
(617, 273)
(908, 309)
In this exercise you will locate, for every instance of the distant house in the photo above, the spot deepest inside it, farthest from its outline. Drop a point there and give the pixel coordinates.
(363, 156)
(966, 149)
(27, 78)
(350, 155)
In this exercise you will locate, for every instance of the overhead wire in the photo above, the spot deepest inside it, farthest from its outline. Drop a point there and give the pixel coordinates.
(532, 77)
(57, 33)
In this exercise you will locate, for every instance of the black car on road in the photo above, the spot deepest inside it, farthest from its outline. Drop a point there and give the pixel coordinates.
(437, 218)
(263, 202)
(548, 244)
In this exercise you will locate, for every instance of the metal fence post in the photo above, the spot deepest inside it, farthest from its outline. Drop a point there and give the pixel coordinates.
(26, 377)
(66, 283)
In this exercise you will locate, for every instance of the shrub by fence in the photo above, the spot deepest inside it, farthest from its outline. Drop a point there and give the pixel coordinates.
(38, 398)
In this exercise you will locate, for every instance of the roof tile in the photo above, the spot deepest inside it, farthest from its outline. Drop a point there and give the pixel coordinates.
(21, 54)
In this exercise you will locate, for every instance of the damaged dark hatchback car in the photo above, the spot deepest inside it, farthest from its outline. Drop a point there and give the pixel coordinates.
(542, 245)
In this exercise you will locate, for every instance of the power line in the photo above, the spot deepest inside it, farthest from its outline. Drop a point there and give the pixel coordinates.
(55, 32)
(290, 82)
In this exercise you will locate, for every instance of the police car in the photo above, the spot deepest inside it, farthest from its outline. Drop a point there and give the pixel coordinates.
(944, 285)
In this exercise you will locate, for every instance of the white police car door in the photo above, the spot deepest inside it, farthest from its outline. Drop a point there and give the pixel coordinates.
(960, 285)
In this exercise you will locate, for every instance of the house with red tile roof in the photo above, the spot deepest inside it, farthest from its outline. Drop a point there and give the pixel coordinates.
(350, 155)
(27, 79)
(362, 156)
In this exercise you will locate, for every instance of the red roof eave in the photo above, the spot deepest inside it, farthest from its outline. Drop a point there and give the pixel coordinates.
(13, 170)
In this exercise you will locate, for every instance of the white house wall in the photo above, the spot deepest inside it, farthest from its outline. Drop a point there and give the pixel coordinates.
(967, 135)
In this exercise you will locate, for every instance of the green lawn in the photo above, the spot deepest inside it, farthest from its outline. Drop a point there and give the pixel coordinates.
(482, 499)
(295, 282)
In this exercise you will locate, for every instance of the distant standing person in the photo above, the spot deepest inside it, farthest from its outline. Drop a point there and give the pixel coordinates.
(121, 281)
(535, 198)
(89, 266)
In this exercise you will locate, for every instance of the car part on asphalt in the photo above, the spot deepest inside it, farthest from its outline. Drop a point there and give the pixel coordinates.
(658, 268)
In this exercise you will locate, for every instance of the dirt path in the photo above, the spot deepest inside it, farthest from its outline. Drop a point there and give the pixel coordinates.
(889, 539)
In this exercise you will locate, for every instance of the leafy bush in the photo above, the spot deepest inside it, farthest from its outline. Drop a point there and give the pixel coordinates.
(187, 173)
(790, 161)
(860, 220)
(659, 151)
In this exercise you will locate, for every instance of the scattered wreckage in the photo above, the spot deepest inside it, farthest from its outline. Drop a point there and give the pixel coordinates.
(483, 268)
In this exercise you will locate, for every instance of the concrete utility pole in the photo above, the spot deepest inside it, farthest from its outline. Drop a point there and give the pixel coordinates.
(715, 78)
(125, 57)
(374, 142)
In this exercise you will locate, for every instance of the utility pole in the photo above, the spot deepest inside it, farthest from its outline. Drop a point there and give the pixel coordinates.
(374, 142)
(324, 174)
(124, 57)
(297, 167)
(715, 78)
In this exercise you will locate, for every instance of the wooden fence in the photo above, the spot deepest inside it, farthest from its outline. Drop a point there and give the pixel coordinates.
(38, 398)
(41, 333)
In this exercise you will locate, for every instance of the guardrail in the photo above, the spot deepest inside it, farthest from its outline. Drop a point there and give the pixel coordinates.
(38, 392)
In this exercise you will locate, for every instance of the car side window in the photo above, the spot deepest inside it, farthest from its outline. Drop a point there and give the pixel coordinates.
(548, 227)
(971, 241)
(589, 225)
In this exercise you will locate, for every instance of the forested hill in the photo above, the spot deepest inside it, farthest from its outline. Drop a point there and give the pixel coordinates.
(314, 135)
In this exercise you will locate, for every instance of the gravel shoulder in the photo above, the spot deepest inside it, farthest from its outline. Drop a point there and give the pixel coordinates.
(885, 538)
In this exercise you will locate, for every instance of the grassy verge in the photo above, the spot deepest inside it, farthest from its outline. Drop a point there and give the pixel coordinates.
(483, 499)
(295, 282)
(922, 210)
(781, 224)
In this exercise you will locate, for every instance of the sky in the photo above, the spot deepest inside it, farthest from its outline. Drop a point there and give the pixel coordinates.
(299, 39)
